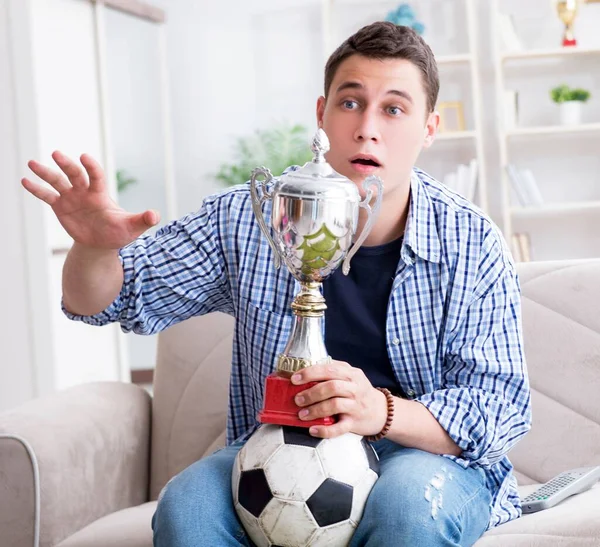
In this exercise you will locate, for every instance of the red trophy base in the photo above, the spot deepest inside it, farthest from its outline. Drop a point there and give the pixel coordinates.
(279, 406)
(569, 42)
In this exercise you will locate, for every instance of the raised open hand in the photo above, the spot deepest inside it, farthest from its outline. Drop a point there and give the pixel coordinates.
(83, 206)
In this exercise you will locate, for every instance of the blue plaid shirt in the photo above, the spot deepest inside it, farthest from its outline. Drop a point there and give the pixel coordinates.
(453, 324)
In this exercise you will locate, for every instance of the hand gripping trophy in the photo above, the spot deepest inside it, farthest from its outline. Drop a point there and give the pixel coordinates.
(289, 488)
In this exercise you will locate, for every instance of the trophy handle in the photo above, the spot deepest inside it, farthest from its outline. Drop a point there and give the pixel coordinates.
(257, 206)
(372, 212)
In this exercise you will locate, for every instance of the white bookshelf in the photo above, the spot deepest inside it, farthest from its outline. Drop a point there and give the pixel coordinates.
(548, 53)
(459, 146)
(571, 194)
(553, 210)
(553, 129)
(457, 135)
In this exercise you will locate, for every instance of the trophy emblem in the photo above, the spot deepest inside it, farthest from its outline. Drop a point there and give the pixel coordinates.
(314, 219)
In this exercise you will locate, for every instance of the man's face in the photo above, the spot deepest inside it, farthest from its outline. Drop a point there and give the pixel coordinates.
(377, 120)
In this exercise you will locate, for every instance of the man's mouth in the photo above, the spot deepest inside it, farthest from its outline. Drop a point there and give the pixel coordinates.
(365, 160)
(365, 165)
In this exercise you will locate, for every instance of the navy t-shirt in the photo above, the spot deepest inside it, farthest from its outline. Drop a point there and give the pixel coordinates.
(355, 318)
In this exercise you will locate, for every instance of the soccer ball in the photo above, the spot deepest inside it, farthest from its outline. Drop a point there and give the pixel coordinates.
(291, 489)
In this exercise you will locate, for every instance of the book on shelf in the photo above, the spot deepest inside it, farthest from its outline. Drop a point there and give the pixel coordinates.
(464, 180)
(525, 187)
(521, 247)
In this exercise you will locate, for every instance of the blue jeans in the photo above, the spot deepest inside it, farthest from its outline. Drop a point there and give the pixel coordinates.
(420, 500)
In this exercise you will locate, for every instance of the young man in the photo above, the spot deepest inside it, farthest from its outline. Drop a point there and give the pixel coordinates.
(432, 299)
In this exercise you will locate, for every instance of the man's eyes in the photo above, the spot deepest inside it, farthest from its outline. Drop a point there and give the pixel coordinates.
(394, 110)
(349, 105)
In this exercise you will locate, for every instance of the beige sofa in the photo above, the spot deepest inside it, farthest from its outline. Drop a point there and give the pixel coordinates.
(87, 463)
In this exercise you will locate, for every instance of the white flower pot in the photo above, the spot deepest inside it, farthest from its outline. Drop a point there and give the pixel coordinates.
(570, 112)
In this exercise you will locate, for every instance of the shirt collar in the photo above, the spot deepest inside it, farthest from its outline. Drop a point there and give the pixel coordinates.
(421, 236)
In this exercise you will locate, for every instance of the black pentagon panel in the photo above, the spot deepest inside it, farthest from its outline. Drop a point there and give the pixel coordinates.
(371, 456)
(331, 502)
(254, 492)
(299, 436)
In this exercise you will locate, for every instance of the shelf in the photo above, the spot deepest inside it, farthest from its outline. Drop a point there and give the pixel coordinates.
(568, 52)
(552, 209)
(553, 130)
(453, 59)
(455, 135)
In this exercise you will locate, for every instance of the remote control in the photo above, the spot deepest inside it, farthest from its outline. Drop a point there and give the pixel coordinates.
(561, 487)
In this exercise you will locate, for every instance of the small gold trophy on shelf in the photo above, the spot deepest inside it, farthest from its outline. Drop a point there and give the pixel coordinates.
(567, 10)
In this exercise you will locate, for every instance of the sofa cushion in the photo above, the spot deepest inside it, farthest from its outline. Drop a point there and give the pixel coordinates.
(574, 522)
(127, 528)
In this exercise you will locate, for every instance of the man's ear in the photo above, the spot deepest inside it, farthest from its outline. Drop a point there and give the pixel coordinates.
(431, 127)
(320, 110)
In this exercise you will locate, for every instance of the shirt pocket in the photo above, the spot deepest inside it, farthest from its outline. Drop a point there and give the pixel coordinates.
(262, 335)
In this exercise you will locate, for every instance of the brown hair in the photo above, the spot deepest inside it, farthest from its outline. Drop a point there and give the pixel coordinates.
(384, 40)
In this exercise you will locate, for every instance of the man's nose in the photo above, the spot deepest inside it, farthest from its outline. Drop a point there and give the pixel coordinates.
(367, 129)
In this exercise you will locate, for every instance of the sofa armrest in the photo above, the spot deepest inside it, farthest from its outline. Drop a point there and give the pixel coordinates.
(70, 458)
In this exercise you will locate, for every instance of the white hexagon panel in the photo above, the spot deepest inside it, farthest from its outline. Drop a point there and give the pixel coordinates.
(260, 446)
(361, 494)
(333, 536)
(288, 523)
(294, 472)
(344, 458)
(252, 527)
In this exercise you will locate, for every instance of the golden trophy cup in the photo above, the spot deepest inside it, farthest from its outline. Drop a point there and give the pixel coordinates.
(567, 10)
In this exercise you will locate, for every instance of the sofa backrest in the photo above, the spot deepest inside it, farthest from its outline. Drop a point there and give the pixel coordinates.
(561, 325)
(561, 329)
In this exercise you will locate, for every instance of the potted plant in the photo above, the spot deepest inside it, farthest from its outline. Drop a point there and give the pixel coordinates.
(275, 148)
(569, 100)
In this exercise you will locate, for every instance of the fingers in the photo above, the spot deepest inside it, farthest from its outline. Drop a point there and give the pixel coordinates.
(325, 390)
(41, 192)
(317, 373)
(55, 179)
(71, 169)
(342, 426)
(330, 407)
(140, 222)
(95, 173)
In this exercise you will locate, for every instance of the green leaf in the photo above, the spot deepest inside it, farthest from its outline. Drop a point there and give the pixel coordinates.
(563, 93)
(276, 148)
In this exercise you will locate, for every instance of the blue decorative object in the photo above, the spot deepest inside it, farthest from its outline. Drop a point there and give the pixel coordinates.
(404, 16)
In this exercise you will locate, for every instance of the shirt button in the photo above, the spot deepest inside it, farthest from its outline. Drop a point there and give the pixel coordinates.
(411, 393)
(395, 341)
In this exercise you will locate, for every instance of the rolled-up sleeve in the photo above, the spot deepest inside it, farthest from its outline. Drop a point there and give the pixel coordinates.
(174, 274)
(485, 404)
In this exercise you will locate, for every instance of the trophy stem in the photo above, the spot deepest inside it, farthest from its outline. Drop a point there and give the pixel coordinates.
(304, 349)
(305, 346)
(568, 37)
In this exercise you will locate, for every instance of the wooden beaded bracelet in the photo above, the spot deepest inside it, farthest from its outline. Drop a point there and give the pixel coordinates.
(390, 416)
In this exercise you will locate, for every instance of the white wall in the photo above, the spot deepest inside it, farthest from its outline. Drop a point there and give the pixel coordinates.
(48, 100)
(69, 119)
(17, 381)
